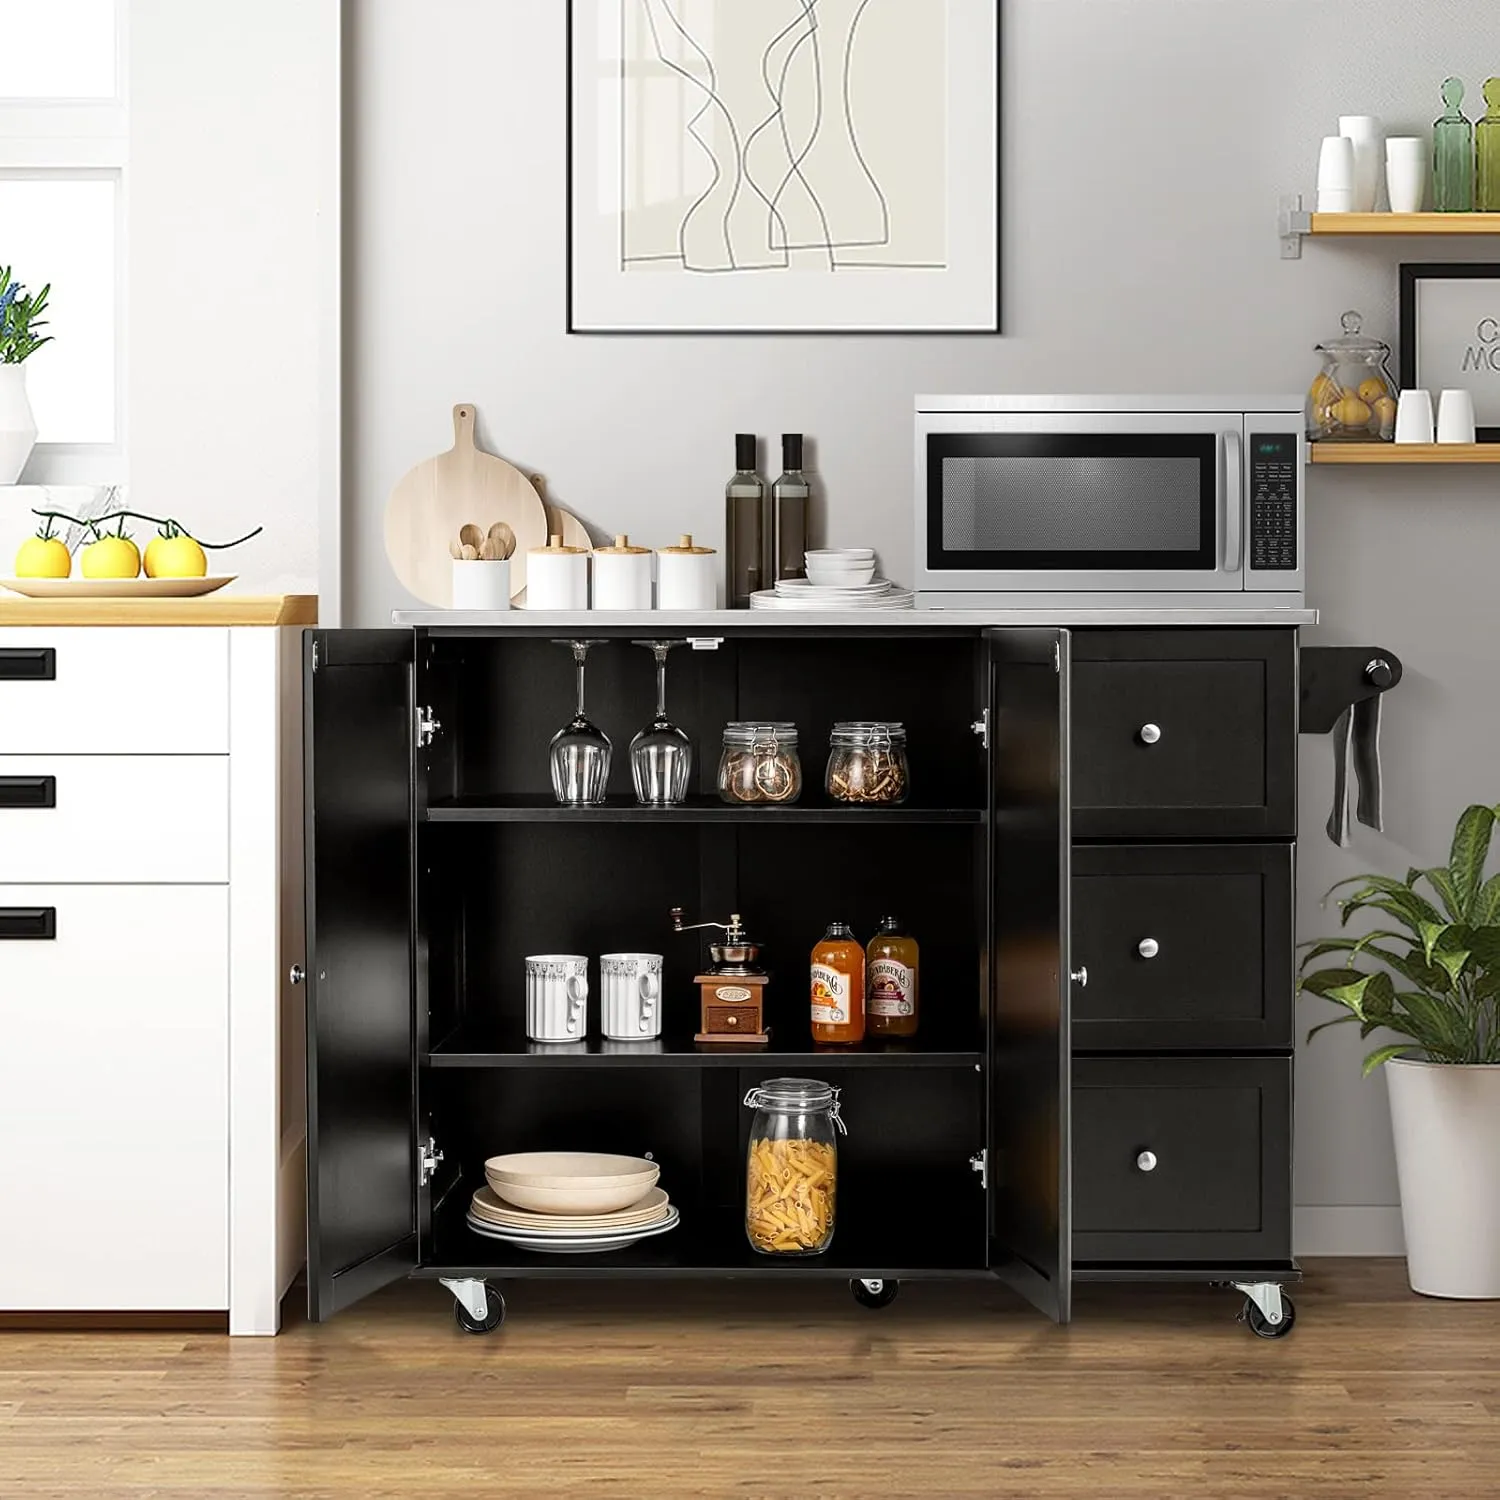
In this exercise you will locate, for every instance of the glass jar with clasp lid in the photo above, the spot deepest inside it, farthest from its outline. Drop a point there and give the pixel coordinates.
(867, 763)
(791, 1170)
(760, 763)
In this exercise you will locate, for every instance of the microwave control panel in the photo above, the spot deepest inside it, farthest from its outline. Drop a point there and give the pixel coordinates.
(1273, 502)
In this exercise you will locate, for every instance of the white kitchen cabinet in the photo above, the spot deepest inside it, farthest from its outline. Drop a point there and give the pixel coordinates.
(152, 1121)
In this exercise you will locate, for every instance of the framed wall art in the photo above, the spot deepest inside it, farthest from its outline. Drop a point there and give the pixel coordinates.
(1450, 335)
(783, 166)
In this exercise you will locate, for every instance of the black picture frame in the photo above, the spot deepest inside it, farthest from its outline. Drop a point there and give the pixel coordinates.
(1411, 276)
(569, 143)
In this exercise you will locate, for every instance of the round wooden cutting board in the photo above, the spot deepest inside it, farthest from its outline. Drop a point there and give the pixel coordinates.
(429, 505)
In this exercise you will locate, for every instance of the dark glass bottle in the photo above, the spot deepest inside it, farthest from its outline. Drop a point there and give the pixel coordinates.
(790, 499)
(746, 544)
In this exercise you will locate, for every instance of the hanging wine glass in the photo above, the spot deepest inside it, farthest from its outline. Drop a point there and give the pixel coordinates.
(580, 752)
(661, 755)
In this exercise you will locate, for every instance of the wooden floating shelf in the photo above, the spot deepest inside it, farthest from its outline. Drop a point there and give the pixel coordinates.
(1404, 223)
(1405, 453)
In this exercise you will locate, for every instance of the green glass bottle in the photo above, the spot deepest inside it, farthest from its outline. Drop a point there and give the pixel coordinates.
(1453, 155)
(1487, 141)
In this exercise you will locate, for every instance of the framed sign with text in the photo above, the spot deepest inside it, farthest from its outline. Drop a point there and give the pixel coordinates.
(1450, 335)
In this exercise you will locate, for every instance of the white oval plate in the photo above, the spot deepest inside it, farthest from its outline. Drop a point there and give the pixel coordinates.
(115, 588)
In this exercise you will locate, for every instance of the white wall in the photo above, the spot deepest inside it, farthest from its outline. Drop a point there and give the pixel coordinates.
(1146, 144)
(233, 328)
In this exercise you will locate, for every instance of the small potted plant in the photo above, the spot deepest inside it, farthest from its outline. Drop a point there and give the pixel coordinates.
(19, 340)
(1428, 976)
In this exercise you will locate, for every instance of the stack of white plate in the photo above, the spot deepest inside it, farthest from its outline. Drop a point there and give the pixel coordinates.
(571, 1202)
(797, 593)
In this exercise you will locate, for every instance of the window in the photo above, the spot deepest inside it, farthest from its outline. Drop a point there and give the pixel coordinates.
(62, 183)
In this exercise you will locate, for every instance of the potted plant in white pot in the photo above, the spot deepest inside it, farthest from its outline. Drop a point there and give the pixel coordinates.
(19, 340)
(1429, 975)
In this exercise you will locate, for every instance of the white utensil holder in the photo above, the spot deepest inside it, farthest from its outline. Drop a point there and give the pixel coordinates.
(483, 584)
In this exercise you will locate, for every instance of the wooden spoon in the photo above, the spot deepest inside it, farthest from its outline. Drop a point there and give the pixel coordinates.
(457, 549)
(471, 536)
(504, 539)
(471, 554)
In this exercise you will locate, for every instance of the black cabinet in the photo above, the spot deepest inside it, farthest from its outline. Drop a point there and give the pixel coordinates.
(438, 860)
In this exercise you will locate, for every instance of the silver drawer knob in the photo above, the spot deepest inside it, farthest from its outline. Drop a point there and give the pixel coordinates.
(298, 974)
(1150, 733)
(1148, 947)
(1146, 1161)
(1080, 977)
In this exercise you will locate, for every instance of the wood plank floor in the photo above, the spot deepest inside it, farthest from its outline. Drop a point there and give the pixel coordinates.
(744, 1389)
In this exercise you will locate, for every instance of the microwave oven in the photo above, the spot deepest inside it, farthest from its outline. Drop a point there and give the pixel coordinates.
(1131, 501)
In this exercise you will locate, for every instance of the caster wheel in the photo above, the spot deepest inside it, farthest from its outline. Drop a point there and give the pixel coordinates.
(1264, 1330)
(874, 1294)
(494, 1313)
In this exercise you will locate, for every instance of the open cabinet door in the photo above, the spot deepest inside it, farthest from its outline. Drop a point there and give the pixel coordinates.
(361, 1088)
(1030, 1158)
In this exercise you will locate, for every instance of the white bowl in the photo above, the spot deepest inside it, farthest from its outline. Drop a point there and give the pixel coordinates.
(842, 579)
(593, 1198)
(553, 1169)
(839, 554)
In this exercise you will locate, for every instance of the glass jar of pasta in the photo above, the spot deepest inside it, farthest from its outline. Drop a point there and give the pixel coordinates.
(791, 1174)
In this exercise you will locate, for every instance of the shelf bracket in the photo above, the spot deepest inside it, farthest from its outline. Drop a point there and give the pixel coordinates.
(1292, 223)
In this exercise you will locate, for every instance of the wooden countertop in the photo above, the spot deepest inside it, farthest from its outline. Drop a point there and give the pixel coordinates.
(213, 609)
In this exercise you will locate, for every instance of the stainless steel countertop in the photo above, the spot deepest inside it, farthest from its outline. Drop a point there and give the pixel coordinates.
(677, 621)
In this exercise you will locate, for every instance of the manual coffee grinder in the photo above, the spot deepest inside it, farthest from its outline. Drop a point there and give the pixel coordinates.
(732, 993)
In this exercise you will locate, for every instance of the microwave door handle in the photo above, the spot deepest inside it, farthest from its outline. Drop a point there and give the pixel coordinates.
(1234, 502)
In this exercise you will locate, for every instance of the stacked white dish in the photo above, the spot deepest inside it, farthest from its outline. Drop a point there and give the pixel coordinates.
(840, 567)
(571, 1202)
(799, 593)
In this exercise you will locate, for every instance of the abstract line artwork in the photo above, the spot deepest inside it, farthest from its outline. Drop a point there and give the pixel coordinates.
(783, 166)
(760, 136)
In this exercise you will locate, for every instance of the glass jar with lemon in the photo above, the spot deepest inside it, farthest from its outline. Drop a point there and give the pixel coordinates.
(1354, 398)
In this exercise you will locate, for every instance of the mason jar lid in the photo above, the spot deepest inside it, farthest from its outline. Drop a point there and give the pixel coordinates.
(774, 734)
(794, 1096)
(867, 732)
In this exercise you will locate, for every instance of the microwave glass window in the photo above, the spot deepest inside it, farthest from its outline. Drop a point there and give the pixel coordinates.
(1042, 502)
(1071, 504)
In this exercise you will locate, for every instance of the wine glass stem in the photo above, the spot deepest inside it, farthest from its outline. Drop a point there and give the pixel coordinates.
(661, 686)
(580, 687)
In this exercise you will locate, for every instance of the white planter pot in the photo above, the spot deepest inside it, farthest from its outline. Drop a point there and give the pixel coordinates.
(17, 424)
(1446, 1121)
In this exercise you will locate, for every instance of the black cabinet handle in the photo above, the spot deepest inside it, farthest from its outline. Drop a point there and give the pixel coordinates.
(34, 924)
(28, 791)
(28, 664)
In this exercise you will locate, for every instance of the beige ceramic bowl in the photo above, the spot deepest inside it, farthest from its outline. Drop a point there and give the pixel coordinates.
(570, 1182)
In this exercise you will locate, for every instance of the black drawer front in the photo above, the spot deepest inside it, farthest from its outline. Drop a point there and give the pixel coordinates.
(1184, 734)
(1184, 1158)
(1186, 946)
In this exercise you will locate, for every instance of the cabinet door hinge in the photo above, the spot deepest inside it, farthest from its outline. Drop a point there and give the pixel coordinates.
(315, 646)
(1057, 657)
(980, 1162)
(428, 1157)
(427, 727)
(981, 727)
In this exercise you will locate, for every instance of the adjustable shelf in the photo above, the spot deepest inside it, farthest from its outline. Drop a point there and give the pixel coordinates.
(543, 808)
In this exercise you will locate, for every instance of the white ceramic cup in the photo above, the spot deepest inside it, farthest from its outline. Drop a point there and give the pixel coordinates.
(630, 985)
(1455, 419)
(1336, 175)
(622, 576)
(557, 997)
(482, 584)
(687, 577)
(1369, 158)
(1414, 417)
(1406, 167)
(557, 577)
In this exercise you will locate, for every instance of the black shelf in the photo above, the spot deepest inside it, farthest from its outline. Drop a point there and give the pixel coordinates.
(481, 1046)
(710, 1242)
(542, 808)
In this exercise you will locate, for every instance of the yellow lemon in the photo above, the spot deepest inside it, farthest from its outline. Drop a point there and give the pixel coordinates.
(1351, 412)
(175, 557)
(1372, 390)
(110, 557)
(43, 557)
(1385, 409)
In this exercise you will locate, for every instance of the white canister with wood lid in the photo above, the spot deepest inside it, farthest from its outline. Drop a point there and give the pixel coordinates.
(687, 577)
(557, 576)
(622, 576)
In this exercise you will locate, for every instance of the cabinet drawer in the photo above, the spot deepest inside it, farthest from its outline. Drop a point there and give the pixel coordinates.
(113, 1114)
(1190, 733)
(123, 819)
(106, 691)
(1182, 1159)
(1186, 946)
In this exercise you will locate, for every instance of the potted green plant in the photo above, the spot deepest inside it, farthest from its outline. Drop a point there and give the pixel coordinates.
(20, 320)
(1427, 979)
